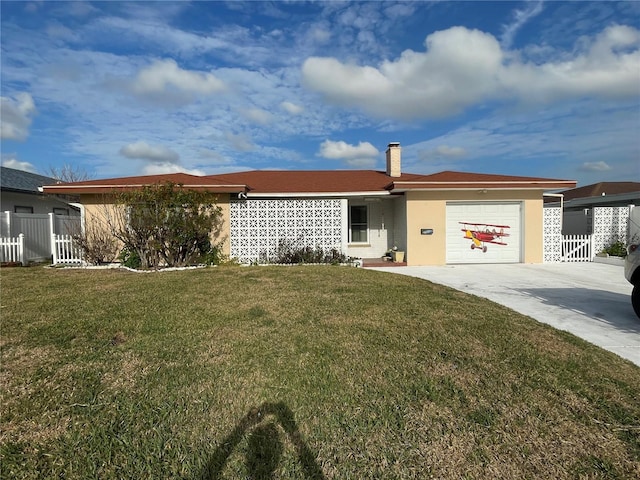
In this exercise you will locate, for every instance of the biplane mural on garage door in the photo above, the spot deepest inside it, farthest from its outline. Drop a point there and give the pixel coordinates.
(484, 232)
(481, 234)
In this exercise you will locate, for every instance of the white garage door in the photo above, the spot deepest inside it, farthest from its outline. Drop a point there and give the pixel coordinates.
(483, 232)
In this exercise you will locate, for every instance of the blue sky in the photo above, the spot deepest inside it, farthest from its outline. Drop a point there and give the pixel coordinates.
(547, 89)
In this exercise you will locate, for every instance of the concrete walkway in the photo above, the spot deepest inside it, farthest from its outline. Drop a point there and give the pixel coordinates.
(590, 300)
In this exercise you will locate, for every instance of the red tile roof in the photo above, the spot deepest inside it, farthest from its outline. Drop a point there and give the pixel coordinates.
(290, 182)
(193, 182)
(311, 181)
(464, 180)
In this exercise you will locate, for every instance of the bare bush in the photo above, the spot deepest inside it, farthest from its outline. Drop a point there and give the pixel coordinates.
(97, 243)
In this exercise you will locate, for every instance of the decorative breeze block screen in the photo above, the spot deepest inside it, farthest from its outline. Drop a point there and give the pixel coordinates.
(258, 225)
(552, 235)
(609, 226)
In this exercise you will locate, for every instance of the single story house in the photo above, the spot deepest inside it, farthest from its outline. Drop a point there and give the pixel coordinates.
(602, 194)
(25, 210)
(447, 217)
(20, 193)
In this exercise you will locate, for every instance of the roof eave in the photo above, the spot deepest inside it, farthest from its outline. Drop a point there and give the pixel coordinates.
(19, 190)
(621, 197)
(371, 193)
(93, 189)
(434, 186)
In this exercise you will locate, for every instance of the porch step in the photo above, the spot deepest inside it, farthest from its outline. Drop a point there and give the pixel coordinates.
(378, 262)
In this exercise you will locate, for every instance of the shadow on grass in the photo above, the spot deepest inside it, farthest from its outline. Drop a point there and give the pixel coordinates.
(264, 445)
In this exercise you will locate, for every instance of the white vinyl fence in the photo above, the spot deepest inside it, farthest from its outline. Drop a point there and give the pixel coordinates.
(64, 251)
(37, 231)
(12, 249)
(577, 248)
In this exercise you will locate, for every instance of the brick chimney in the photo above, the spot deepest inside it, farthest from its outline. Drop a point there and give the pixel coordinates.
(394, 159)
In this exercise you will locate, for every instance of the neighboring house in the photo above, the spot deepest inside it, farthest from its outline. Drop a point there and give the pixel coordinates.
(603, 194)
(19, 193)
(25, 210)
(436, 219)
(579, 204)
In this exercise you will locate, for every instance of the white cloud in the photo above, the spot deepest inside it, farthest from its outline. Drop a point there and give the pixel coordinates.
(153, 153)
(361, 162)
(461, 68)
(596, 166)
(166, 73)
(457, 70)
(160, 159)
(213, 157)
(399, 10)
(292, 108)
(608, 68)
(442, 152)
(11, 161)
(33, 7)
(363, 154)
(16, 116)
(259, 116)
(521, 17)
(80, 9)
(342, 150)
(240, 142)
(362, 16)
(168, 167)
(58, 31)
(447, 151)
(320, 35)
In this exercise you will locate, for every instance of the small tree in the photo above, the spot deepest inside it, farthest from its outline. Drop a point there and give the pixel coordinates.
(69, 173)
(166, 224)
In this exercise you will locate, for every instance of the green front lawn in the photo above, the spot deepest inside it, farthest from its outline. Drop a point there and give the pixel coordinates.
(298, 372)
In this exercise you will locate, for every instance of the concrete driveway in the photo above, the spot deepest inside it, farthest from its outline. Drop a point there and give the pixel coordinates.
(590, 300)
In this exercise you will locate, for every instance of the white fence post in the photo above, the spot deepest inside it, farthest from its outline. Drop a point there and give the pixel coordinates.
(54, 249)
(7, 222)
(21, 250)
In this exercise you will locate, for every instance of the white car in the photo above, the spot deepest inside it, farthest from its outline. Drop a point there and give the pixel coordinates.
(632, 274)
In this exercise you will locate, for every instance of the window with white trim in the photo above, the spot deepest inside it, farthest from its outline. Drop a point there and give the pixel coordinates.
(358, 224)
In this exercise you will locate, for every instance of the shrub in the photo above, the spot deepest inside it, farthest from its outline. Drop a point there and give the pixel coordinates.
(211, 254)
(616, 249)
(290, 252)
(130, 258)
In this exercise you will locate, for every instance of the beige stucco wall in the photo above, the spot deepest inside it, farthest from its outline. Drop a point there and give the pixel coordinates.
(225, 232)
(98, 207)
(427, 209)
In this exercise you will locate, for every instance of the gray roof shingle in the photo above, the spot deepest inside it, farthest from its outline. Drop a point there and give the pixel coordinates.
(21, 181)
